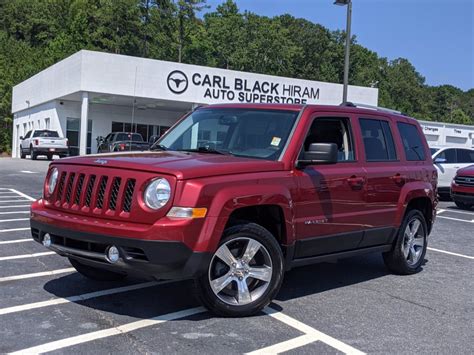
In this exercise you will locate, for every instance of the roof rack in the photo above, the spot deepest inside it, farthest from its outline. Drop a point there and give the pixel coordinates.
(370, 107)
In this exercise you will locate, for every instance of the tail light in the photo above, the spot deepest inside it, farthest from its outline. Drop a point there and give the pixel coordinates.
(37, 142)
(67, 142)
(122, 146)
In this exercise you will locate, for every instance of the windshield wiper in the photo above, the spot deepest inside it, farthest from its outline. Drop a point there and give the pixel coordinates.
(207, 150)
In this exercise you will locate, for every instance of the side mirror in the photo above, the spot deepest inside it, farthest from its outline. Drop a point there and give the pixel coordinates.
(319, 153)
(440, 160)
(153, 139)
(22, 138)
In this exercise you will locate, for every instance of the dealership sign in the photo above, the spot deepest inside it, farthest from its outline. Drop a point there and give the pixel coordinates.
(238, 89)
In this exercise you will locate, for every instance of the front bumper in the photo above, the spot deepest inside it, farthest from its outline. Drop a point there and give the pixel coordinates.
(153, 258)
(463, 197)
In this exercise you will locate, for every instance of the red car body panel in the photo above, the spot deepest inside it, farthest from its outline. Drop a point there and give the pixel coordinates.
(317, 202)
(462, 187)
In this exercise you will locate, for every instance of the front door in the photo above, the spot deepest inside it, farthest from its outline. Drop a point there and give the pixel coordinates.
(330, 212)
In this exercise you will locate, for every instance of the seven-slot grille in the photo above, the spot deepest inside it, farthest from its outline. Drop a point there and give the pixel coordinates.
(464, 180)
(94, 192)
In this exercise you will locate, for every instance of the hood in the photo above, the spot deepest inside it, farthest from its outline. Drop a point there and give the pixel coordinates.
(183, 165)
(467, 171)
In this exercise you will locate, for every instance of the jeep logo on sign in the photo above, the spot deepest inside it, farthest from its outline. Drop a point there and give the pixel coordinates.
(177, 82)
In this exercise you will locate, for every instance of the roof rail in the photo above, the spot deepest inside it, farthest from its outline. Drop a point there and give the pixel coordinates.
(371, 107)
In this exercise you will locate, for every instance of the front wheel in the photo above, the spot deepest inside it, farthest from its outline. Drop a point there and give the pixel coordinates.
(408, 253)
(245, 273)
(96, 273)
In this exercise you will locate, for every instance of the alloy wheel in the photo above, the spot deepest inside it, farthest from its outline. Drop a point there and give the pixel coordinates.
(413, 241)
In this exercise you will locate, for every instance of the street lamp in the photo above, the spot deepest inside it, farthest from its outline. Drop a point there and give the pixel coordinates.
(348, 45)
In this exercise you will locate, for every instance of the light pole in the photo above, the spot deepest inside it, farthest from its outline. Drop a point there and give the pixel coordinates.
(348, 45)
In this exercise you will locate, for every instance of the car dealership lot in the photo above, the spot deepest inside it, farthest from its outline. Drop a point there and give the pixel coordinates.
(350, 306)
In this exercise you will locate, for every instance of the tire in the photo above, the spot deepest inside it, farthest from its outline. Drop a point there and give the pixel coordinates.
(22, 155)
(404, 259)
(96, 273)
(50, 157)
(463, 206)
(236, 240)
(32, 154)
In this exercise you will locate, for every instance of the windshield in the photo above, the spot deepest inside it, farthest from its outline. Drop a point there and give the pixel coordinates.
(45, 133)
(251, 133)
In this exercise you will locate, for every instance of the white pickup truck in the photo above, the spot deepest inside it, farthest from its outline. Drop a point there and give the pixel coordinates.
(43, 142)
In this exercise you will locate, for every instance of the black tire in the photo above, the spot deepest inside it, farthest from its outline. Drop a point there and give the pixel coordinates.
(96, 273)
(462, 205)
(32, 154)
(395, 259)
(50, 157)
(22, 155)
(235, 234)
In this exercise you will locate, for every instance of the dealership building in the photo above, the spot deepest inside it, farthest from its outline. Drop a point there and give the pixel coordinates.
(110, 93)
(116, 93)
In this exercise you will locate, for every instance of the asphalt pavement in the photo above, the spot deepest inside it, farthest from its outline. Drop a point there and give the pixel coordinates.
(350, 306)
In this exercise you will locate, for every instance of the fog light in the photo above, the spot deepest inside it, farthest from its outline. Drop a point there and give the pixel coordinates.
(47, 240)
(113, 254)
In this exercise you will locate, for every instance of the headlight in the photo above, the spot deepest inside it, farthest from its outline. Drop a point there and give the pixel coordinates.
(53, 179)
(157, 193)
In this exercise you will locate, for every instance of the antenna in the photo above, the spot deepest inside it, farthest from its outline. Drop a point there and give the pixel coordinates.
(133, 106)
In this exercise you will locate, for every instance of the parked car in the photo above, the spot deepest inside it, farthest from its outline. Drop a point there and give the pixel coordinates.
(286, 186)
(43, 142)
(122, 141)
(447, 161)
(462, 188)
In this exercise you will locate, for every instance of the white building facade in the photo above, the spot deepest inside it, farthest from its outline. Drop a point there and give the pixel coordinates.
(439, 134)
(109, 93)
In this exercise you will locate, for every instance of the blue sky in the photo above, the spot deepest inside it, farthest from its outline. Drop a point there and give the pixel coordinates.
(437, 36)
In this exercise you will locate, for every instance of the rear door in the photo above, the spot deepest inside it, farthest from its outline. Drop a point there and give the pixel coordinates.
(330, 211)
(385, 177)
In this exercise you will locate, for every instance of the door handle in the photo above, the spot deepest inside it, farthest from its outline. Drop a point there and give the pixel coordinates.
(399, 179)
(356, 181)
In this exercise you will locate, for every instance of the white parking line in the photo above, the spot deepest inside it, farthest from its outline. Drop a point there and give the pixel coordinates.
(14, 212)
(24, 195)
(308, 330)
(24, 256)
(456, 211)
(27, 172)
(456, 219)
(15, 241)
(5, 201)
(37, 274)
(79, 298)
(451, 253)
(14, 230)
(14, 220)
(100, 334)
(15, 206)
(286, 345)
(10, 196)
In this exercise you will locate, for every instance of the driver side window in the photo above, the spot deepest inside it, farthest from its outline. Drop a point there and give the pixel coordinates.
(332, 130)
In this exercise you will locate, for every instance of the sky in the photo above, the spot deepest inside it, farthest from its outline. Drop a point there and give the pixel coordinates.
(437, 36)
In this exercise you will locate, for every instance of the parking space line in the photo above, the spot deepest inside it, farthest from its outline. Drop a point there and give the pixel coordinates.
(14, 212)
(100, 334)
(23, 195)
(456, 219)
(5, 201)
(451, 253)
(16, 241)
(36, 274)
(83, 297)
(24, 256)
(14, 230)
(457, 211)
(286, 345)
(14, 220)
(15, 206)
(308, 330)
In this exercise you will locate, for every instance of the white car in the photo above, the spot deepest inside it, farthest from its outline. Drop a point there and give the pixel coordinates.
(447, 161)
(43, 142)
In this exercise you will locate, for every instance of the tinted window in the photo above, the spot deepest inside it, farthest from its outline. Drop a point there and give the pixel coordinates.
(412, 142)
(378, 140)
(28, 135)
(465, 156)
(332, 130)
(45, 133)
(136, 137)
(449, 155)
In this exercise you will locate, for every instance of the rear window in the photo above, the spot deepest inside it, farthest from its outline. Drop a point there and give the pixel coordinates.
(46, 133)
(135, 137)
(412, 142)
(378, 140)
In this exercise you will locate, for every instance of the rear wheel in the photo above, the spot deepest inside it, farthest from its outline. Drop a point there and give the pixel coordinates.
(463, 206)
(408, 253)
(244, 274)
(50, 157)
(96, 273)
(32, 154)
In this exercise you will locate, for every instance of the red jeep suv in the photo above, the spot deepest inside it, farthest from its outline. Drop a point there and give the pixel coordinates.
(235, 195)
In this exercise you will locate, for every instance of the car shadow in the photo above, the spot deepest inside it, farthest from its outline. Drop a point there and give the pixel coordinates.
(171, 297)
